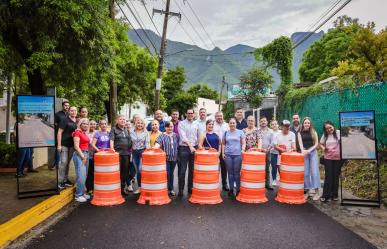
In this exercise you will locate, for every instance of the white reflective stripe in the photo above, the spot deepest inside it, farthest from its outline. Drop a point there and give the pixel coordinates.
(295, 186)
(107, 187)
(253, 184)
(292, 168)
(156, 186)
(253, 167)
(206, 167)
(206, 186)
(113, 168)
(153, 167)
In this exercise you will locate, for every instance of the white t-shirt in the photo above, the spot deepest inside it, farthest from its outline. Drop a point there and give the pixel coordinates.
(286, 140)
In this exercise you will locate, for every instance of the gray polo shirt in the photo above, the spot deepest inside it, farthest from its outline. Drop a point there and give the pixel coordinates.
(267, 137)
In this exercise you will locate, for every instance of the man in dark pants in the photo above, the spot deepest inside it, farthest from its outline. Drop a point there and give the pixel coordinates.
(220, 127)
(188, 132)
(267, 139)
(295, 128)
(59, 116)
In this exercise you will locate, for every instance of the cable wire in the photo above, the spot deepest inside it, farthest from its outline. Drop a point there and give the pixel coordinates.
(154, 25)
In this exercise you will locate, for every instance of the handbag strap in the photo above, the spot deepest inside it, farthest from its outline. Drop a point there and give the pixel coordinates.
(207, 141)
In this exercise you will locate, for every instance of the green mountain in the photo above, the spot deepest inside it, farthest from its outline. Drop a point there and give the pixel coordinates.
(209, 66)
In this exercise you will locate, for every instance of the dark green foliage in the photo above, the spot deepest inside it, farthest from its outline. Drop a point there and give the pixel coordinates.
(7, 155)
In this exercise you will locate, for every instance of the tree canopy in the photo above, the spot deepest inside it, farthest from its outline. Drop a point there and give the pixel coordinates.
(76, 47)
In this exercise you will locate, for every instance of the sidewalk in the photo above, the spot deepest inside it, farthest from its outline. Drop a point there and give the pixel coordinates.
(10, 205)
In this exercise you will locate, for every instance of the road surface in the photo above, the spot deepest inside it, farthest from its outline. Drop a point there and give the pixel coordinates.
(34, 131)
(358, 145)
(184, 225)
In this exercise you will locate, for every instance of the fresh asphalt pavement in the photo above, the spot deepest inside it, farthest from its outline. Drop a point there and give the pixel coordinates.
(181, 224)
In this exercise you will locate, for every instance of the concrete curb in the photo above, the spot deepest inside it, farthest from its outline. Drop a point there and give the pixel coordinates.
(22, 223)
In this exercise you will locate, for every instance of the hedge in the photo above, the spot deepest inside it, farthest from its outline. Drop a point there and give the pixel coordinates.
(7, 155)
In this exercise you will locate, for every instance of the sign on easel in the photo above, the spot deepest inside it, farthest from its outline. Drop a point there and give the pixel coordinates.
(358, 142)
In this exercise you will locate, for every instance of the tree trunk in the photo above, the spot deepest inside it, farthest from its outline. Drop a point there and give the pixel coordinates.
(35, 82)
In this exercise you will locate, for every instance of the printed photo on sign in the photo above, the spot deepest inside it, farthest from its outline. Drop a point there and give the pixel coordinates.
(35, 121)
(358, 135)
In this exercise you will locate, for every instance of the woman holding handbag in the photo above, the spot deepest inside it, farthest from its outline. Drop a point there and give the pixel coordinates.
(330, 145)
(209, 139)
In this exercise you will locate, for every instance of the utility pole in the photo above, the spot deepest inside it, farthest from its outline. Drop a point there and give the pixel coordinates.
(166, 14)
(113, 85)
(8, 114)
(221, 92)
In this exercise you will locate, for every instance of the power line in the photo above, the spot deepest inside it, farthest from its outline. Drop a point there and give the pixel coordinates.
(319, 26)
(144, 31)
(193, 27)
(325, 13)
(205, 31)
(127, 19)
(154, 25)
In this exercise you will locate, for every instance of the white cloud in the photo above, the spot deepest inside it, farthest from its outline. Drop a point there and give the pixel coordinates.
(254, 22)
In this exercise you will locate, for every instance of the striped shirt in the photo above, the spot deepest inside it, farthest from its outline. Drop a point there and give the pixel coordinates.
(169, 144)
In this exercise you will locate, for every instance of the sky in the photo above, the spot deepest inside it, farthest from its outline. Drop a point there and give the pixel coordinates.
(250, 22)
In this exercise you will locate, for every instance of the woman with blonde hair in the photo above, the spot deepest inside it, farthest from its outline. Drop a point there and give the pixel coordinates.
(308, 140)
(140, 142)
(81, 158)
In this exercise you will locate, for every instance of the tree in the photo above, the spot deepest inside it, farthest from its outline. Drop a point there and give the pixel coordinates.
(369, 52)
(202, 90)
(173, 82)
(324, 55)
(182, 101)
(278, 55)
(254, 85)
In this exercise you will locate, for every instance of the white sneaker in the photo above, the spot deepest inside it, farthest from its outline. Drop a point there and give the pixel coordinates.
(172, 193)
(130, 188)
(311, 192)
(87, 196)
(80, 199)
(275, 183)
(137, 191)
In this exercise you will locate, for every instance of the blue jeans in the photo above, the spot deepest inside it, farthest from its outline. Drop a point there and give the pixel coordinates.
(312, 174)
(80, 172)
(137, 161)
(24, 156)
(170, 168)
(234, 165)
(274, 166)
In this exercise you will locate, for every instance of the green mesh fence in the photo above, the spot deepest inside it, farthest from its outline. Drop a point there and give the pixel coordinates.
(327, 106)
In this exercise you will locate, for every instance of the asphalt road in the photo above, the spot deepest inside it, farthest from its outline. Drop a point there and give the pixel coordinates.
(38, 138)
(184, 225)
(357, 145)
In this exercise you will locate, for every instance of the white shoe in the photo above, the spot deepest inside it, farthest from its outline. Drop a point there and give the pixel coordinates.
(275, 183)
(311, 192)
(80, 199)
(137, 191)
(316, 197)
(87, 196)
(130, 188)
(172, 193)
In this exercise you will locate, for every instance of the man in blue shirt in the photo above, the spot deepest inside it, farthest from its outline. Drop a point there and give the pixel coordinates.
(158, 117)
(241, 122)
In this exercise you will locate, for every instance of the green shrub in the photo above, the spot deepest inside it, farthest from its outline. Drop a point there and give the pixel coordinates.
(7, 155)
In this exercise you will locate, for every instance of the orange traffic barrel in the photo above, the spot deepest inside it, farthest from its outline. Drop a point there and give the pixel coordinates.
(291, 188)
(206, 178)
(154, 178)
(107, 182)
(253, 177)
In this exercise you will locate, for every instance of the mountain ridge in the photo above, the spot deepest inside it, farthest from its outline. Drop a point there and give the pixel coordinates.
(209, 66)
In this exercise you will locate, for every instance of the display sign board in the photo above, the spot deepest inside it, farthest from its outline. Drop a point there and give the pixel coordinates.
(35, 121)
(357, 131)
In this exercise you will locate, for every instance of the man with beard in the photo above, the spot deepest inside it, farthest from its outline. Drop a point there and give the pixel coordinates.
(295, 128)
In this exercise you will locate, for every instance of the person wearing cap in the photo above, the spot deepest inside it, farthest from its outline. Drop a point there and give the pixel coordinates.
(285, 141)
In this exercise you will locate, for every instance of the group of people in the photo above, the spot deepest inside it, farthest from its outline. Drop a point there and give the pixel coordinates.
(78, 138)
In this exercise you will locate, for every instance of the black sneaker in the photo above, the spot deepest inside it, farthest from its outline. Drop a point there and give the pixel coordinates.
(32, 171)
(61, 186)
(68, 183)
(190, 191)
(269, 188)
(180, 194)
(231, 193)
(226, 188)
